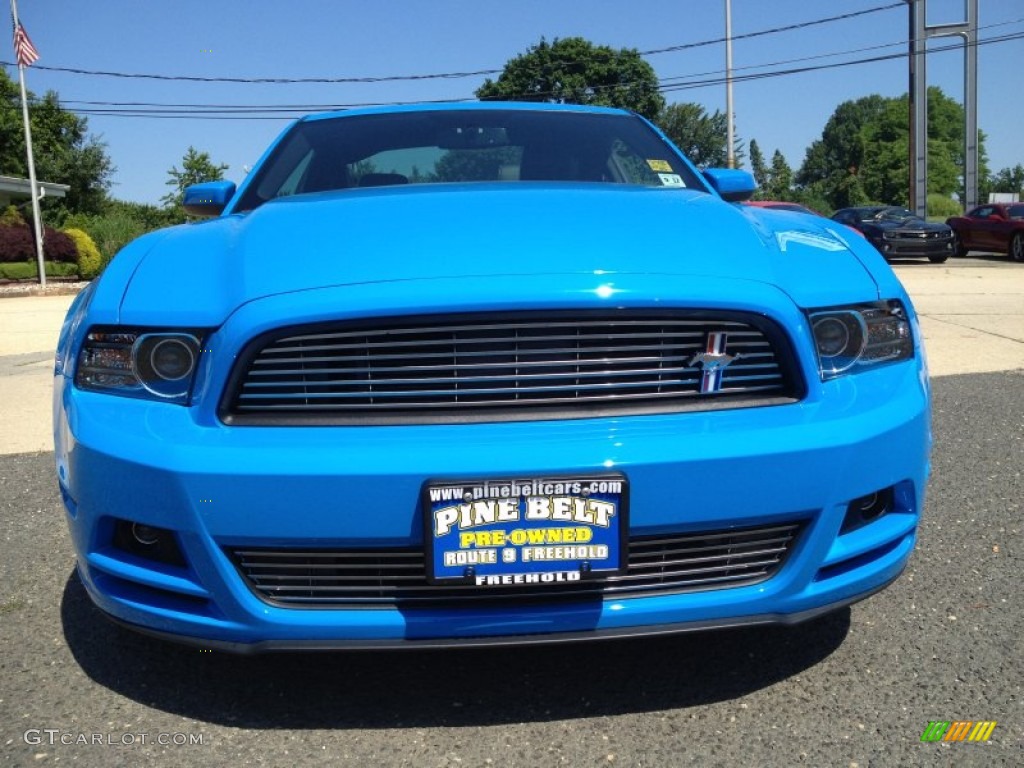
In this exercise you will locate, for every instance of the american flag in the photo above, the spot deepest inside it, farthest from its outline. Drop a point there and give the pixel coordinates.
(24, 51)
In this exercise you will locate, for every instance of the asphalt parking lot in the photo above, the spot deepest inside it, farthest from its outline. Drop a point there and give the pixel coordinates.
(856, 688)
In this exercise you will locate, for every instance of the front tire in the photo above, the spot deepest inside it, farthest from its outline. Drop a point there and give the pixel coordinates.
(939, 258)
(958, 246)
(1017, 246)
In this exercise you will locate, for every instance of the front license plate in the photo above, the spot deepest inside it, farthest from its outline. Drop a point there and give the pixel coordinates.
(525, 531)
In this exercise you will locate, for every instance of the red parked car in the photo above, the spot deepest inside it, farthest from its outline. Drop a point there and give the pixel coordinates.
(995, 227)
(780, 205)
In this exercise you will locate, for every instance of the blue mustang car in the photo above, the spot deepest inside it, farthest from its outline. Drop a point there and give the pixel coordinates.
(487, 374)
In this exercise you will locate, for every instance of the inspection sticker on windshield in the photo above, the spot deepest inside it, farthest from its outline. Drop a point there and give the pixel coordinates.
(671, 179)
(525, 531)
(659, 165)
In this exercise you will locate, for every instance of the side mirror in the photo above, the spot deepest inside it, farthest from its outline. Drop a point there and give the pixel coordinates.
(209, 198)
(733, 185)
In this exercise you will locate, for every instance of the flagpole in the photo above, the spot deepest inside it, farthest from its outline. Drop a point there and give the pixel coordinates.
(37, 220)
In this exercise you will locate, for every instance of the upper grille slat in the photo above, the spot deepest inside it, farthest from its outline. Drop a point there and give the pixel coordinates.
(550, 362)
(330, 382)
(485, 325)
(505, 367)
(519, 350)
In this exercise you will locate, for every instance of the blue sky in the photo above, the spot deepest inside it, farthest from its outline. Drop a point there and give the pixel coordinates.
(355, 38)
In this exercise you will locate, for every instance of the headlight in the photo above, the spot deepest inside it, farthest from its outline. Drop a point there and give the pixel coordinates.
(139, 363)
(851, 339)
(69, 330)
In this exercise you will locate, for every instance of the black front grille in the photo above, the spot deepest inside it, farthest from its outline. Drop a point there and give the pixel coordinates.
(916, 236)
(656, 565)
(500, 367)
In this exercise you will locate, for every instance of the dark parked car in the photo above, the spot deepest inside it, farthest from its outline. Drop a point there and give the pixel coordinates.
(994, 227)
(898, 233)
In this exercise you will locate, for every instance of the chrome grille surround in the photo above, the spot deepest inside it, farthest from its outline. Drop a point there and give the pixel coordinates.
(918, 235)
(657, 565)
(500, 367)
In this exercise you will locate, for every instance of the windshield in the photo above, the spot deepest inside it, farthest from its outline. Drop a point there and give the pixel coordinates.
(459, 146)
(894, 214)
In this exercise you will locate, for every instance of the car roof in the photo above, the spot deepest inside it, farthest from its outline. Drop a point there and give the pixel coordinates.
(1004, 206)
(787, 204)
(475, 106)
(866, 209)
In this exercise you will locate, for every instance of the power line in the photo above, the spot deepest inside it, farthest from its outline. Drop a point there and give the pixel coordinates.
(800, 70)
(441, 75)
(665, 83)
(285, 112)
(902, 44)
(787, 28)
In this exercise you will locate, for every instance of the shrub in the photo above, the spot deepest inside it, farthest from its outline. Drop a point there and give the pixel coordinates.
(59, 247)
(90, 260)
(18, 244)
(26, 270)
(11, 217)
(942, 207)
(109, 231)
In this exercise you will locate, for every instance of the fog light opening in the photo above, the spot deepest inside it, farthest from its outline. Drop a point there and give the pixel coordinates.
(867, 509)
(148, 542)
(146, 535)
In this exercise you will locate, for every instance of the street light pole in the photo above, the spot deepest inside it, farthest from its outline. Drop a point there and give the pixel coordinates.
(729, 140)
(920, 32)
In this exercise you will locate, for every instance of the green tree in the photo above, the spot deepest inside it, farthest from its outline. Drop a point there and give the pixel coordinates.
(759, 169)
(883, 170)
(64, 151)
(1008, 179)
(196, 167)
(780, 178)
(985, 177)
(573, 70)
(702, 137)
(775, 181)
(833, 162)
(862, 155)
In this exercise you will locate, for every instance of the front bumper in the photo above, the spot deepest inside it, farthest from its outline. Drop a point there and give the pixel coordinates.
(619, 633)
(218, 487)
(914, 247)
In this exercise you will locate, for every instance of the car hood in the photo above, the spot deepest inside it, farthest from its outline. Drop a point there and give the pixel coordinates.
(910, 225)
(202, 272)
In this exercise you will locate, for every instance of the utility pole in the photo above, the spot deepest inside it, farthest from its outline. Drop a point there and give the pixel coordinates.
(729, 140)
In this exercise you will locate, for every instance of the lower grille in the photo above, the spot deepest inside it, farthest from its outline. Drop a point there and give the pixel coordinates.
(656, 565)
(489, 367)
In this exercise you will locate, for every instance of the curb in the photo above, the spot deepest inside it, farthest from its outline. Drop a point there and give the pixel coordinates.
(16, 290)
